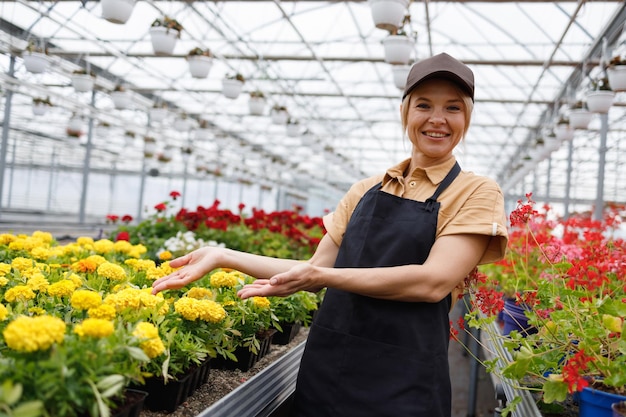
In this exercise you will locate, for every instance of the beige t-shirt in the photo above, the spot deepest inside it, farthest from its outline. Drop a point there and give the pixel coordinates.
(472, 204)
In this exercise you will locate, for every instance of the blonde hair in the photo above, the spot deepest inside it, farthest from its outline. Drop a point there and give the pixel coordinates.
(467, 102)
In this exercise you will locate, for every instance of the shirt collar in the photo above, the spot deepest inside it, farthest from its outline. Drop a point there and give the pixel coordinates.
(435, 173)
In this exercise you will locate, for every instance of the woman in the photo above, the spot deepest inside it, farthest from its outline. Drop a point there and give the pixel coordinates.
(396, 247)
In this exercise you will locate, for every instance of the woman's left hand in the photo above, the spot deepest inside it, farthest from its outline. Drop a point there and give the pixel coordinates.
(301, 277)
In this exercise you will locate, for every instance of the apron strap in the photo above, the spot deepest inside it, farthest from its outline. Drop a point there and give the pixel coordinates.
(454, 172)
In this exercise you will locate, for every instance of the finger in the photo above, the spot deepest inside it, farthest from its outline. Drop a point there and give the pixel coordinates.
(178, 262)
(175, 280)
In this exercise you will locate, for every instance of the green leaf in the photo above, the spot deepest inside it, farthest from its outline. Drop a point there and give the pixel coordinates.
(554, 391)
(11, 393)
(29, 409)
(137, 353)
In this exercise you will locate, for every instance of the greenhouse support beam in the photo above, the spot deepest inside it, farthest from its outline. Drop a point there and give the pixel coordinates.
(87, 164)
(5, 129)
(599, 206)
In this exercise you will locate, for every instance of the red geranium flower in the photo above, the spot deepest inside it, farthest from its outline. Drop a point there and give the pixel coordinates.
(174, 195)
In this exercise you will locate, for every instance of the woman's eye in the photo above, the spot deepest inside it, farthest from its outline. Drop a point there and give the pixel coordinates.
(454, 108)
(422, 106)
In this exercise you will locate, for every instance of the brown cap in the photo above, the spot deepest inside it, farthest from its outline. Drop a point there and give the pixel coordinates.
(440, 66)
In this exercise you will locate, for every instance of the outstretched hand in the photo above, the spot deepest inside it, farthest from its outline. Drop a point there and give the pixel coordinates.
(303, 276)
(193, 266)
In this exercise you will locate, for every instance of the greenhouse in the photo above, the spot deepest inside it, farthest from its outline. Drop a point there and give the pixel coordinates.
(135, 132)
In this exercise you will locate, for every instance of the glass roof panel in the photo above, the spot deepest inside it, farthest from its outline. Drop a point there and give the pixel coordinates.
(323, 61)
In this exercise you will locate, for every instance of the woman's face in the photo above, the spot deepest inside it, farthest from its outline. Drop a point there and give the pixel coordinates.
(436, 120)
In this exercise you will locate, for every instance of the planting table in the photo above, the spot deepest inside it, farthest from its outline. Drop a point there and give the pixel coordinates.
(266, 394)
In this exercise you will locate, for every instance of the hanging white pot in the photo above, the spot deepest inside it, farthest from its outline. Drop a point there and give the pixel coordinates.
(202, 134)
(563, 132)
(580, 118)
(39, 109)
(279, 117)
(36, 62)
(256, 105)
(121, 100)
(75, 127)
(182, 124)
(163, 39)
(400, 73)
(600, 101)
(617, 77)
(200, 65)
(149, 147)
(388, 14)
(293, 130)
(398, 49)
(158, 114)
(83, 82)
(231, 88)
(117, 11)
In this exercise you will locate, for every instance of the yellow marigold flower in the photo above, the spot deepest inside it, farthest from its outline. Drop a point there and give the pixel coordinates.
(38, 282)
(126, 298)
(154, 273)
(17, 245)
(112, 271)
(261, 302)
(166, 268)
(6, 238)
(152, 347)
(103, 311)
(40, 253)
(138, 250)
(149, 300)
(85, 299)
(22, 264)
(26, 243)
(4, 269)
(84, 265)
(43, 267)
(62, 288)
(165, 255)
(3, 281)
(44, 236)
(98, 259)
(140, 264)
(72, 249)
(29, 334)
(206, 310)
(93, 327)
(57, 251)
(199, 293)
(37, 311)
(19, 293)
(103, 246)
(229, 303)
(122, 246)
(84, 240)
(152, 344)
(4, 312)
(223, 279)
(75, 279)
(160, 271)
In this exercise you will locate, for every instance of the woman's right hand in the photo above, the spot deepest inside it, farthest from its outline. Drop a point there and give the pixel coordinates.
(192, 267)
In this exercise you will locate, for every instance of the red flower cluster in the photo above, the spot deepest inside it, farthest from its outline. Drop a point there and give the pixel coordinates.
(574, 368)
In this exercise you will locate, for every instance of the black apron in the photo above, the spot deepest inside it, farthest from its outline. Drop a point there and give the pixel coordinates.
(370, 357)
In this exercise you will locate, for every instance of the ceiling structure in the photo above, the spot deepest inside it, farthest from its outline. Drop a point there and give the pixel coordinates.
(324, 61)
